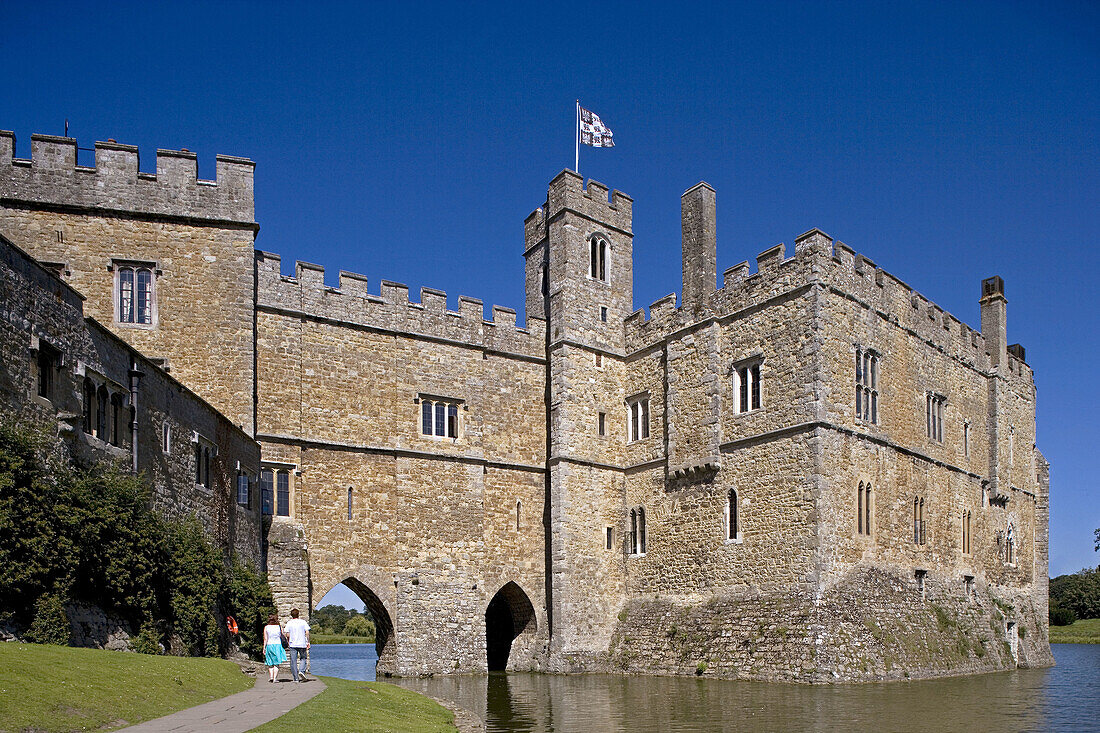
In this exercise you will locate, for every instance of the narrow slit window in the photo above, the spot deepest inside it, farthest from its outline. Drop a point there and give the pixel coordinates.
(732, 527)
(349, 501)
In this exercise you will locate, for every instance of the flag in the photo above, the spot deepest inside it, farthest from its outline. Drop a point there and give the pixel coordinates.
(593, 131)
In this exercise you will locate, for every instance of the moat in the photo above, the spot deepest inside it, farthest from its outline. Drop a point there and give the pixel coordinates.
(1063, 698)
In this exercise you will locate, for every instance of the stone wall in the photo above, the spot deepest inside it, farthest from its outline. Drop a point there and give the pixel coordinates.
(40, 311)
(196, 235)
(425, 529)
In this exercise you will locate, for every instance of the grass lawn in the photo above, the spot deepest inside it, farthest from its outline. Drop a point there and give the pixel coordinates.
(339, 639)
(373, 707)
(57, 688)
(1082, 631)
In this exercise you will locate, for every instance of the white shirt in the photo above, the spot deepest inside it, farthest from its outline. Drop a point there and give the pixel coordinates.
(296, 629)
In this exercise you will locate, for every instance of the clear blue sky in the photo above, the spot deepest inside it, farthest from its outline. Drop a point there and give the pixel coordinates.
(946, 141)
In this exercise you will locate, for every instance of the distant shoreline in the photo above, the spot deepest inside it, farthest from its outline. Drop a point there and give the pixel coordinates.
(339, 639)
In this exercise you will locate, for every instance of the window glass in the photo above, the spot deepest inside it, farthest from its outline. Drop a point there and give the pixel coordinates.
(126, 295)
(282, 503)
(266, 495)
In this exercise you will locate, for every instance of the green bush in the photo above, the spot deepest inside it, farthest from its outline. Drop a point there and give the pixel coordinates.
(91, 535)
(1060, 616)
(50, 625)
(247, 597)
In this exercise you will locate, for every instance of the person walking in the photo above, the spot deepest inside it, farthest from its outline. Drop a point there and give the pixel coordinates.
(274, 655)
(297, 631)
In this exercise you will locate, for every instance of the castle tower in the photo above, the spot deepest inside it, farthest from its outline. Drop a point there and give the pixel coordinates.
(164, 260)
(578, 249)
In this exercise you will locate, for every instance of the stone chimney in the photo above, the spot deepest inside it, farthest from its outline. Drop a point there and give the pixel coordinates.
(994, 329)
(698, 216)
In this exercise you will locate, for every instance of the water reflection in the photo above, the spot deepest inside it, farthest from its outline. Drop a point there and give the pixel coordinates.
(1065, 698)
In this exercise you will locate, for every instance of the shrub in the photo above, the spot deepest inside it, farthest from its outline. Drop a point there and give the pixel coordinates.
(195, 574)
(50, 625)
(97, 540)
(1060, 616)
(247, 597)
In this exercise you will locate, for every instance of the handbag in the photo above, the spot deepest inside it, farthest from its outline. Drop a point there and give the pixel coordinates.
(284, 639)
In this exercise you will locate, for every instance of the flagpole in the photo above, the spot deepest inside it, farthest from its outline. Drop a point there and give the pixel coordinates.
(577, 141)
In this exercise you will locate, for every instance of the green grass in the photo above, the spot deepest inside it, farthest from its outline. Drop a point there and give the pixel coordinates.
(339, 639)
(56, 688)
(1082, 631)
(374, 707)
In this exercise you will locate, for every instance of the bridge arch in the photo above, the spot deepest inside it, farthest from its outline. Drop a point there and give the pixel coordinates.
(375, 589)
(510, 629)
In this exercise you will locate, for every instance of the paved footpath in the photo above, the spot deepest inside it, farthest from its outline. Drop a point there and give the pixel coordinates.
(236, 713)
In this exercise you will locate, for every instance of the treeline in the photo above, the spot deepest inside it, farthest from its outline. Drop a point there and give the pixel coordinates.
(1075, 596)
(340, 621)
(70, 534)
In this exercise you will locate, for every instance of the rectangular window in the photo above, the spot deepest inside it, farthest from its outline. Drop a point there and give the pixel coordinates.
(934, 404)
(198, 462)
(267, 497)
(746, 388)
(282, 500)
(609, 537)
(46, 367)
(639, 418)
(867, 386)
(439, 418)
(603, 313)
(135, 286)
(243, 493)
(602, 428)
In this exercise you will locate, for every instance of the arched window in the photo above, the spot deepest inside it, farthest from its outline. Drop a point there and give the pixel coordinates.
(597, 265)
(116, 419)
(89, 405)
(1010, 545)
(101, 413)
(867, 510)
(859, 509)
(349, 502)
(733, 529)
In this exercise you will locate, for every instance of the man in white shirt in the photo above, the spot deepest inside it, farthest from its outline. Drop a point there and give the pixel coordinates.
(297, 631)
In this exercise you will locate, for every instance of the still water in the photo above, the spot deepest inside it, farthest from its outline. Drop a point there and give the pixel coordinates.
(1063, 698)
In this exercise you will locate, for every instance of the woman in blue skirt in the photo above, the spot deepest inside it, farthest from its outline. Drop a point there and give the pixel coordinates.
(274, 654)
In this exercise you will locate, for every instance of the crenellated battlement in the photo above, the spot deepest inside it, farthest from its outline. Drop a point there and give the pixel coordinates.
(115, 185)
(818, 257)
(391, 310)
(568, 192)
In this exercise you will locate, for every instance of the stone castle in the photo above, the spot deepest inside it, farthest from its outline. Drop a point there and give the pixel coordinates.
(810, 473)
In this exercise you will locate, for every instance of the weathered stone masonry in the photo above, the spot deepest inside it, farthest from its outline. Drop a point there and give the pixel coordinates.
(785, 535)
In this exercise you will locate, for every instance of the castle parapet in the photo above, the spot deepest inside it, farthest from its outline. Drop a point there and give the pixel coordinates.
(115, 184)
(391, 310)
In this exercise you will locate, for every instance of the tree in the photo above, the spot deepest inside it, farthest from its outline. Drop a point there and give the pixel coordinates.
(359, 625)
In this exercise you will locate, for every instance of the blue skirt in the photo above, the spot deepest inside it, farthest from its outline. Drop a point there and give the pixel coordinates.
(274, 655)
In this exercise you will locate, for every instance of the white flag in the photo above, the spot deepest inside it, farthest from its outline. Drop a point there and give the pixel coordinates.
(593, 131)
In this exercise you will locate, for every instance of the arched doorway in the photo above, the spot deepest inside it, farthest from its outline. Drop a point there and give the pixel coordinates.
(509, 627)
(383, 625)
